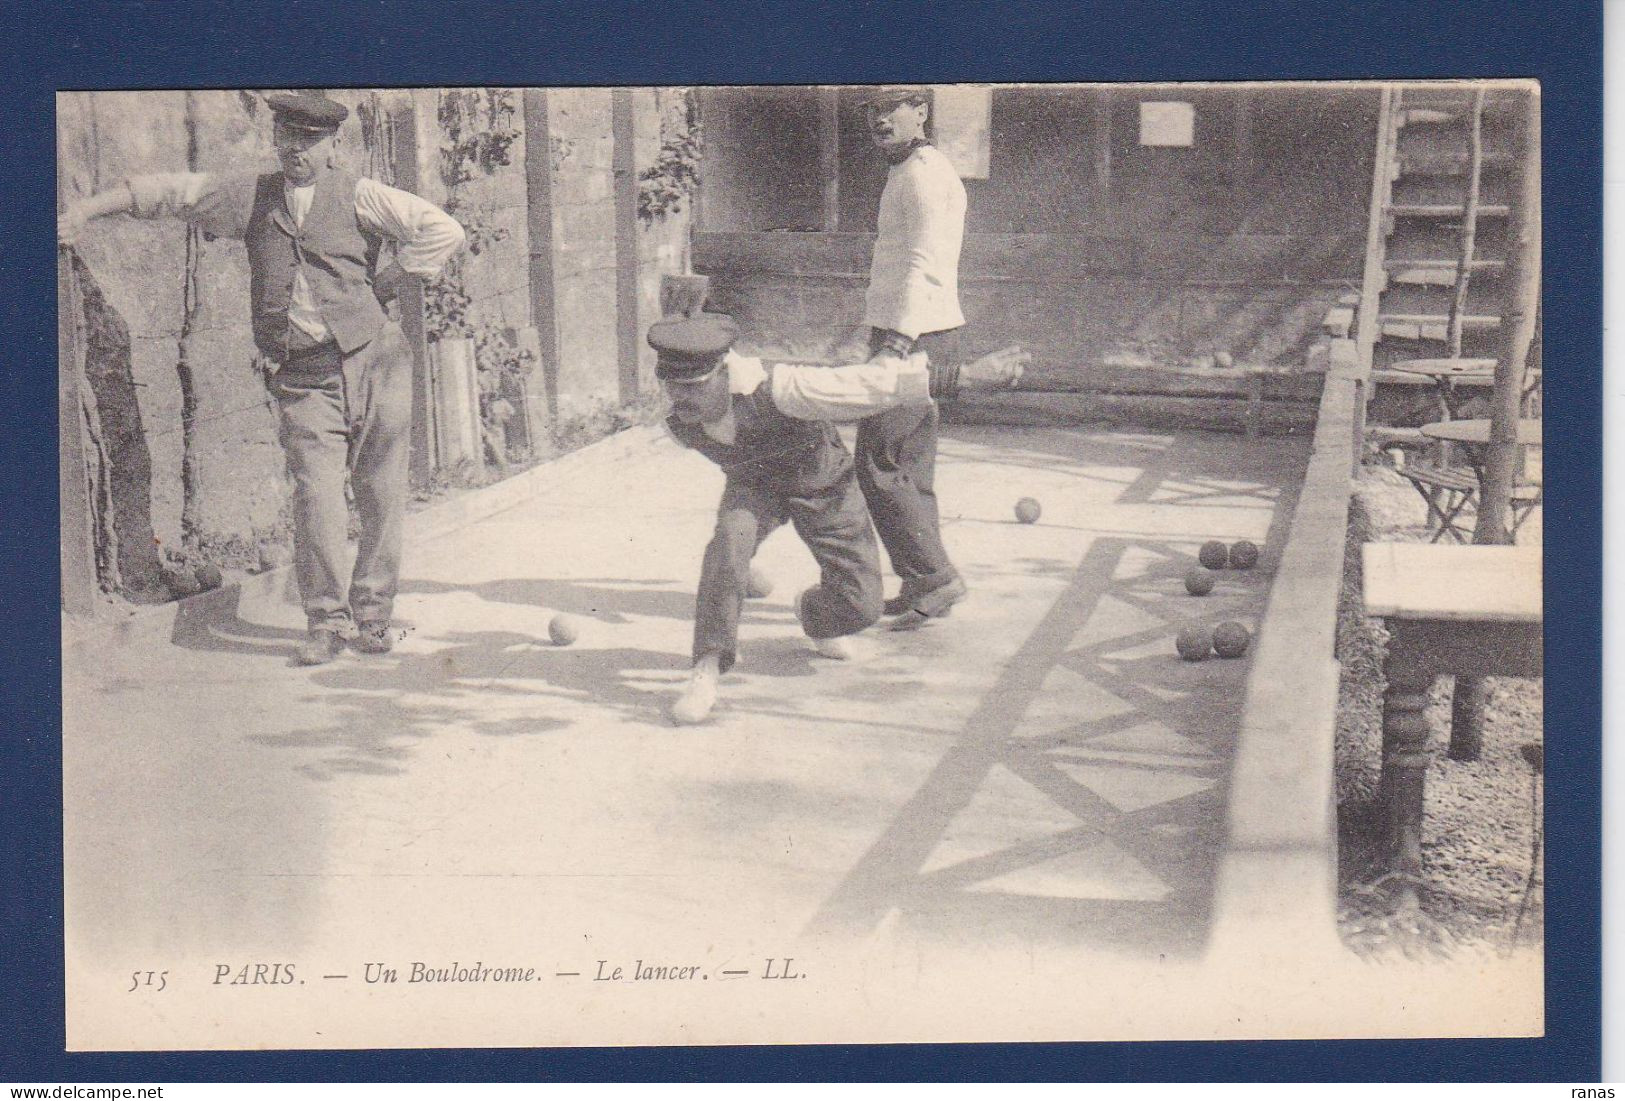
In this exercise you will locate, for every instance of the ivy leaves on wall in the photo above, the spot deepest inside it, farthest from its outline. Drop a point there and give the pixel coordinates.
(670, 181)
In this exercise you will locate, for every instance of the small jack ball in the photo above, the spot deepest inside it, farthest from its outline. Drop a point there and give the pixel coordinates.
(1193, 643)
(1199, 581)
(759, 585)
(1243, 555)
(1230, 639)
(1028, 510)
(1214, 555)
(563, 630)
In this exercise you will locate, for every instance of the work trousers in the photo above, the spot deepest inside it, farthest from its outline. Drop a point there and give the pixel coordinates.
(348, 414)
(896, 458)
(835, 527)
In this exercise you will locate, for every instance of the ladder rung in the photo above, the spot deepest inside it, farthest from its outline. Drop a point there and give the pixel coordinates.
(1446, 210)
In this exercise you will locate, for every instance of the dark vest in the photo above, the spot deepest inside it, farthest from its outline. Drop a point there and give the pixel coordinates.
(335, 253)
(777, 452)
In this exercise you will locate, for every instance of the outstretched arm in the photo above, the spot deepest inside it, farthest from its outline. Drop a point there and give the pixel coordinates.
(72, 221)
(860, 390)
(219, 204)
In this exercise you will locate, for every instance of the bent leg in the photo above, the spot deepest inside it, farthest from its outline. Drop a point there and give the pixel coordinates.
(835, 527)
(746, 516)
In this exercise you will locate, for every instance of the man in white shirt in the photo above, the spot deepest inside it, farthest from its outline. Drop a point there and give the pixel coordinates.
(319, 306)
(912, 305)
(769, 428)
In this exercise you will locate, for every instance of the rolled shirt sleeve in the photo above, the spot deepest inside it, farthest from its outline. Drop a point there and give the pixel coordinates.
(219, 204)
(850, 393)
(427, 235)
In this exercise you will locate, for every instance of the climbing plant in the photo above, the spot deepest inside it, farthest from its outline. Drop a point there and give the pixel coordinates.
(477, 138)
(670, 181)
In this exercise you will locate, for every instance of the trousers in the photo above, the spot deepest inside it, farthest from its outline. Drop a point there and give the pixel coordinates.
(896, 458)
(835, 527)
(348, 415)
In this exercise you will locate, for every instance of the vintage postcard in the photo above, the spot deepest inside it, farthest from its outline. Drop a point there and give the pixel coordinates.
(788, 564)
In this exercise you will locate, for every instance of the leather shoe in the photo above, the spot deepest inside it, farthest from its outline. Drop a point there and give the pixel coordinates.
(321, 645)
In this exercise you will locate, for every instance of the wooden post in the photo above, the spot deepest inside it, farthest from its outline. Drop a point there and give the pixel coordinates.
(1241, 150)
(623, 136)
(1469, 223)
(1518, 328)
(829, 155)
(402, 143)
(1373, 276)
(1103, 143)
(73, 480)
(539, 220)
(1501, 456)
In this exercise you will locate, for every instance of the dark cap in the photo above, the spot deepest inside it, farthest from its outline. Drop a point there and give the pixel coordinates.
(689, 349)
(892, 94)
(311, 112)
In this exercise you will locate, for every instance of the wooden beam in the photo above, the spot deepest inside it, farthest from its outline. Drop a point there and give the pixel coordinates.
(1241, 150)
(623, 137)
(1365, 338)
(1103, 143)
(829, 155)
(401, 141)
(539, 221)
(1469, 221)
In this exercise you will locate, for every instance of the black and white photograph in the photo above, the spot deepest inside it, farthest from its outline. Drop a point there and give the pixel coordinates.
(801, 564)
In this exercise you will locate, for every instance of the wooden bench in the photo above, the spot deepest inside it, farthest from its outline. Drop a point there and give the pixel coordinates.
(1468, 611)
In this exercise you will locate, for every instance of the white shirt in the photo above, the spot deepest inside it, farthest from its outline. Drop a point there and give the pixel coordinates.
(914, 275)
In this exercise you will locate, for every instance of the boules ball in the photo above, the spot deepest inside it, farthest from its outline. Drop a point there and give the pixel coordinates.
(1243, 555)
(1199, 581)
(209, 576)
(563, 630)
(759, 585)
(1028, 510)
(1223, 359)
(1214, 555)
(1193, 643)
(181, 581)
(1230, 639)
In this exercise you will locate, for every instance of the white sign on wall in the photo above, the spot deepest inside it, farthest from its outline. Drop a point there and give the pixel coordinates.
(1167, 123)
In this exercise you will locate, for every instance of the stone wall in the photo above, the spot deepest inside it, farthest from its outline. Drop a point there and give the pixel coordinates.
(1093, 252)
(165, 311)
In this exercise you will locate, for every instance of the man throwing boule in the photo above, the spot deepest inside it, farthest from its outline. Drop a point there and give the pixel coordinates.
(769, 428)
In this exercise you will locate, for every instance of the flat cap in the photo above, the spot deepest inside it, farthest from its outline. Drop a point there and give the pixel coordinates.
(892, 94)
(689, 349)
(308, 111)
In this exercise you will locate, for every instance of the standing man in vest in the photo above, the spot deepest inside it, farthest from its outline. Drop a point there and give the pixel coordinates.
(319, 311)
(912, 305)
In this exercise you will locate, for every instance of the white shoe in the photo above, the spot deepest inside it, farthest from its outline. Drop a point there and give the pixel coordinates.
(697, 699)
(836, 649)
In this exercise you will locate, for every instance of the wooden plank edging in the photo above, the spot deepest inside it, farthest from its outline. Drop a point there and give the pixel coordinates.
(1276, 890)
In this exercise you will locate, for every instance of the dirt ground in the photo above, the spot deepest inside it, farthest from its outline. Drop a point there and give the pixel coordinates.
(1481, 840)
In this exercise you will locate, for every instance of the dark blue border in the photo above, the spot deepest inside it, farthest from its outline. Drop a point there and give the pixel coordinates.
(412, 42)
